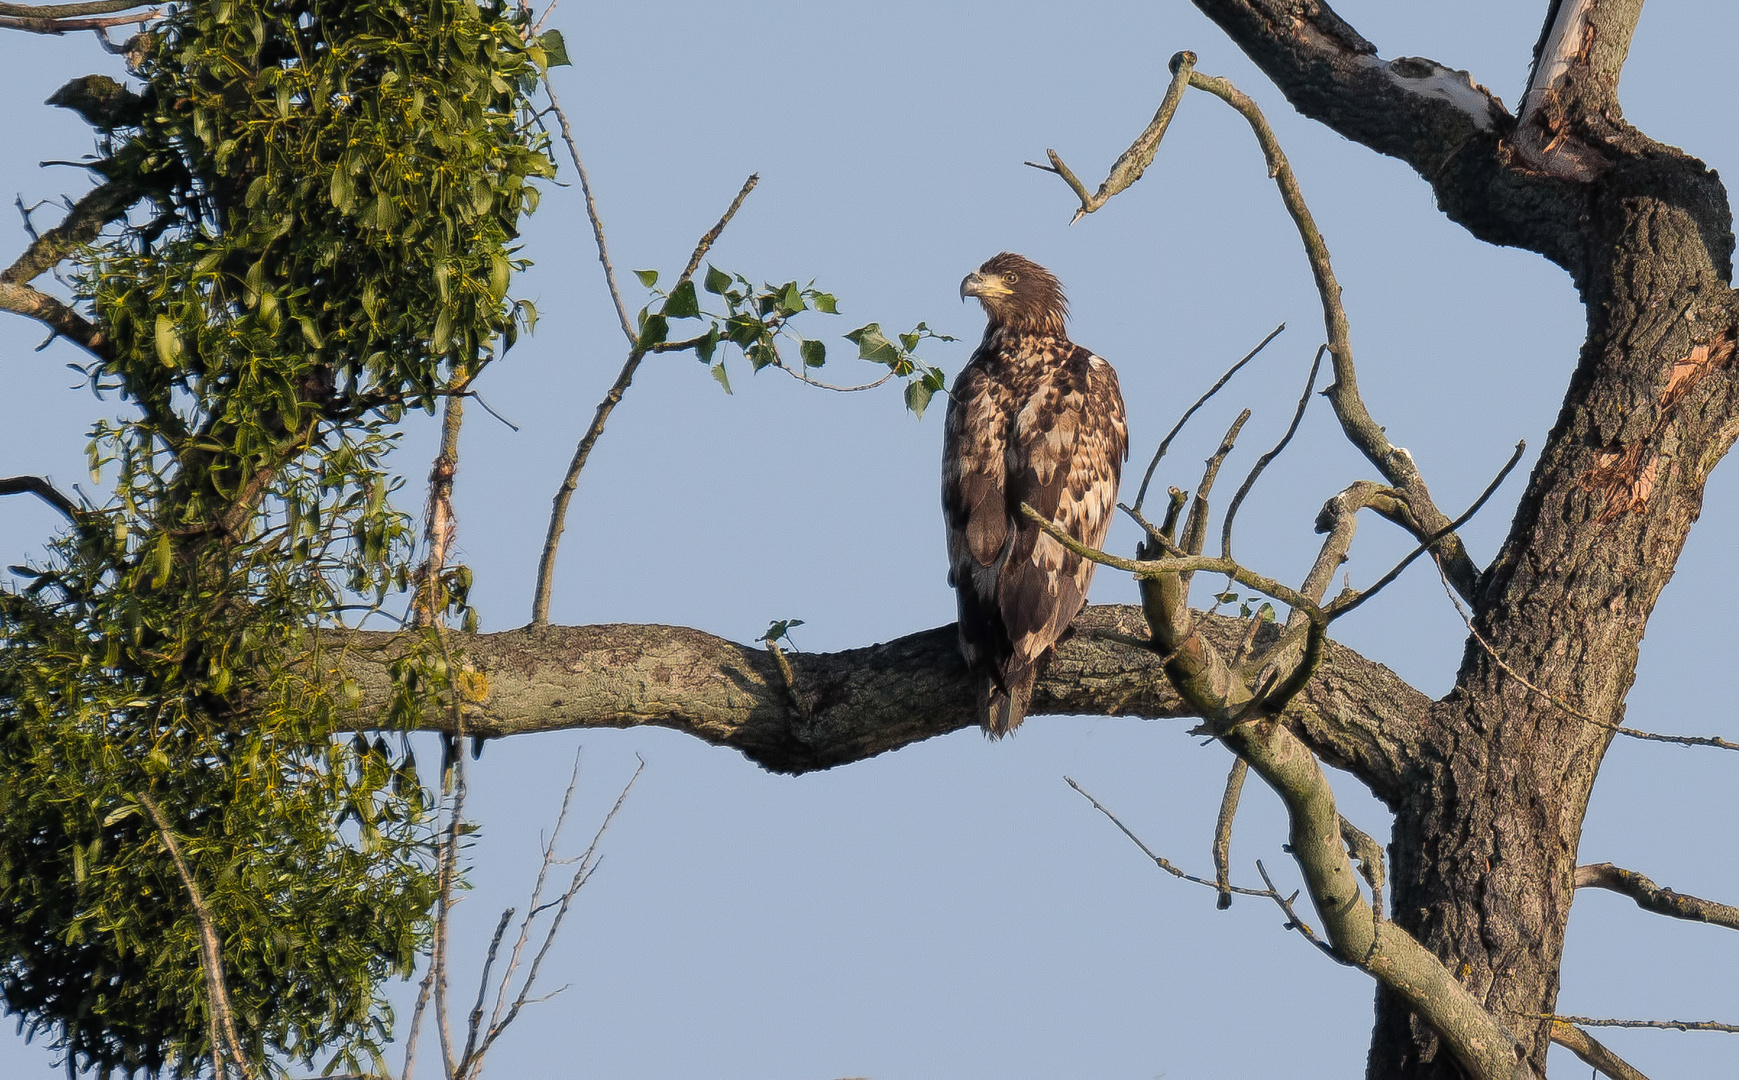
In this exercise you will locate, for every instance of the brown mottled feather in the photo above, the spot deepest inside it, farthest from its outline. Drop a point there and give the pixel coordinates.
(1033, 418)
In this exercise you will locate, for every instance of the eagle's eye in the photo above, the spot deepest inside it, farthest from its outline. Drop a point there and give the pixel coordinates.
(1009, 277)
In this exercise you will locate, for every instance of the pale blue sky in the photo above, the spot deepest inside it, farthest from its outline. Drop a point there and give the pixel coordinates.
(952, 911)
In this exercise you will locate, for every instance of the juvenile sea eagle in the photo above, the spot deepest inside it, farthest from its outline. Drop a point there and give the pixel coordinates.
(1033, 418)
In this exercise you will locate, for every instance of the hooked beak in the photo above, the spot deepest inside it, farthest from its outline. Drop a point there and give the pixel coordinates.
(976, 284)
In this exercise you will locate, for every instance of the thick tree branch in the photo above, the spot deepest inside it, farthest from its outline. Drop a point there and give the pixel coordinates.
(863, 702)
(42, 489)
(38, 25)
(1651, 897)
(1453, 131)
(101, 205)
(56, 315)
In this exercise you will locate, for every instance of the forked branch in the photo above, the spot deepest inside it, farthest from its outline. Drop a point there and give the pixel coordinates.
(564, 494)
(1394, 462)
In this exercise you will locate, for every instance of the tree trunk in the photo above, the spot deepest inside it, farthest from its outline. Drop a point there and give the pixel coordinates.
(1485, 844)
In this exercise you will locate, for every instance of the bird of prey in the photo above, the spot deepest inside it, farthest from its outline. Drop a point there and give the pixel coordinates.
(1033, 418)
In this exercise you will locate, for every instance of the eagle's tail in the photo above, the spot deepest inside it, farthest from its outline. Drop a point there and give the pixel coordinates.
(1002, 703)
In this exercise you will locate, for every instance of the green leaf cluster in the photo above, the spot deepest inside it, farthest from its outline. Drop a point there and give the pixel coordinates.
(758, 320)
(334, 193)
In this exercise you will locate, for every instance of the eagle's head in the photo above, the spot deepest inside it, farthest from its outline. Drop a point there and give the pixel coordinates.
(1018, 293)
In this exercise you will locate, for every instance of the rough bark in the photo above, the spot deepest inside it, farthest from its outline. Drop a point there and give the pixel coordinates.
(1356, 714)
(1485, 840)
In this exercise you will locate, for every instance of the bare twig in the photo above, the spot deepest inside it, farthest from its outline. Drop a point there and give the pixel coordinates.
(1293, 922)
(1263, 461)
(1668, 1025)
(1595, 1055)
(565, 494)
(42, 489)
(1138, 157)
(1223, 830)
(818, 384)
(1558, 702)
(1165, 443)
(587, 863)
(475, 1022)
(218, 1014)
(1651, 897)
(1395, 463)
(1346, 604)
(591, 211)
(1159, 860)
(1195, 530)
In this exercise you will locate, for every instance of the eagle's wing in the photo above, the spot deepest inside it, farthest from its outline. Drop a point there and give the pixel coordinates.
(1064, 458)
(975, 508)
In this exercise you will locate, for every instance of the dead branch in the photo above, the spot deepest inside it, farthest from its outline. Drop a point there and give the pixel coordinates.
(1165, 443)
(221, 1020)
(1239, 715)
(1651, 897)
(39, 24)
(1195, 530)
(1664, 1025)
(1135, 160)
(1594, 1054)
(588, 862)
(1223, 830)
(69, 11)
(565, 494)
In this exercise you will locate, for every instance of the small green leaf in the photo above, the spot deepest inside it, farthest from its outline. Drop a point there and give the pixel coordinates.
(825, 302)
(647, 278)
(814, 353)
(707, 345)
(918, 395)
(683, 304)
(162, 557)
(719, 374)
(343, 195)
(310, 333)
(717, 281)
(653, 331)
(169, 348)
(791, 300)
(873, 345)
(555, 48)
